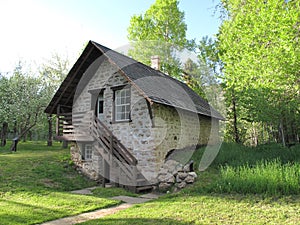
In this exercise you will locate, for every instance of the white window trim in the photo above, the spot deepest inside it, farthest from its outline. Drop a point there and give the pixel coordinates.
(118, 103)
(88, 152)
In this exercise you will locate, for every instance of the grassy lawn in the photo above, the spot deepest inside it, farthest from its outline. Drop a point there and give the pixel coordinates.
(206, 203)
(209, 209)
(35, 183)
(242, 186)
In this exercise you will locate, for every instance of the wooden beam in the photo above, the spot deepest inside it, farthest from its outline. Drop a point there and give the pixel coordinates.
(150, 113)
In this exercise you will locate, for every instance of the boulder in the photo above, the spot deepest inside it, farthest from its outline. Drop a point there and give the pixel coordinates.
(164, 186)
(166, 178)
(193, 174)
(162, 171)
(172, 166)
(189, 179)
(182, 175)
(181, 185)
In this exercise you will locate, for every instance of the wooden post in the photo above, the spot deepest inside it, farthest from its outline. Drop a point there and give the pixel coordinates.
(104, 173)
(111, 144)
(49, 142)
(134, 180)
(57, 121)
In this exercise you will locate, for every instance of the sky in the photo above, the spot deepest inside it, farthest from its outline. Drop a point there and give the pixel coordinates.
(33, 30)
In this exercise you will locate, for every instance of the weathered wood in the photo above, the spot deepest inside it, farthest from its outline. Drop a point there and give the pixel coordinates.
(87, 125)
(50, 137)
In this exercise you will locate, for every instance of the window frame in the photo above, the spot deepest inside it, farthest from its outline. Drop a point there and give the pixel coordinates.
(100, 98)
(126, 104)
(87, 152)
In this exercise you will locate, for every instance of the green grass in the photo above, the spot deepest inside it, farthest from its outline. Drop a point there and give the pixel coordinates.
(265, 177)
(267, 169)
(204, 203)
(192, 208)
(111, 192)
(35, 183)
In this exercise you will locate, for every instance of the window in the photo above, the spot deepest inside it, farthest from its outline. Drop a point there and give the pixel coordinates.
(122, 104)
(88, 152)
(100, 106)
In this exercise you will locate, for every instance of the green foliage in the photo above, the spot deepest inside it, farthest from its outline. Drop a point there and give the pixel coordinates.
(160, 31)
(25, 94)
(259, 47)
(22, 98)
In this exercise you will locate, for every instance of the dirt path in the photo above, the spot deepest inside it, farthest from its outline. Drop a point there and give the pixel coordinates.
(88, 216)
(129, 201)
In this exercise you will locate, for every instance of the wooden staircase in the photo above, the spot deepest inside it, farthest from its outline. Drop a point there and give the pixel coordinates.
(119, 165)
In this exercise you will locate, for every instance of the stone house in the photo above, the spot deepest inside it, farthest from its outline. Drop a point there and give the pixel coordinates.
(123, 117)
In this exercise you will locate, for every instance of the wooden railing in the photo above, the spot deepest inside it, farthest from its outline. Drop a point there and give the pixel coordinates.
(73, 126)
(115, 152)
(84, 126)
(111, 143)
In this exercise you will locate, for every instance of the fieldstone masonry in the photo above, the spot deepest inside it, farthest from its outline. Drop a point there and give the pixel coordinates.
(148, 140)
(174, 174)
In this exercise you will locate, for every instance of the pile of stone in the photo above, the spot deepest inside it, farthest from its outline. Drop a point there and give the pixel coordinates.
(174, 174)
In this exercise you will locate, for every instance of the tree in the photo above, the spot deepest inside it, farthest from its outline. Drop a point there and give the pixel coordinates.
(4, 99)
(20, 95)
(160, 31)
(53, 72)
(259, 46)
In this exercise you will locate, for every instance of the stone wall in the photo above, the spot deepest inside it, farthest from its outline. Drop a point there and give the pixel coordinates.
(91, 168)
(148, 140)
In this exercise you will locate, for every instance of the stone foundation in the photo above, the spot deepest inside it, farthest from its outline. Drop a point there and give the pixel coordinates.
(174, 175)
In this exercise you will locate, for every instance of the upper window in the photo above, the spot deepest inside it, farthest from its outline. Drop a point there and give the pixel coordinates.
(100, 106)
(122, 104)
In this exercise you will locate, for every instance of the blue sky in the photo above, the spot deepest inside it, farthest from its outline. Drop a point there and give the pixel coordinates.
(32, 30)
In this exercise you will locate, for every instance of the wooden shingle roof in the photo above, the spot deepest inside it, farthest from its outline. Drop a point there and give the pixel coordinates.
(154, 85)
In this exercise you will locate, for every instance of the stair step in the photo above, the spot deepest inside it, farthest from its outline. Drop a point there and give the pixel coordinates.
(144, 188)
(141, 180)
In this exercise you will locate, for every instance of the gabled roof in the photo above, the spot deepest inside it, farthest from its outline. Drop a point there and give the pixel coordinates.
(154, 85)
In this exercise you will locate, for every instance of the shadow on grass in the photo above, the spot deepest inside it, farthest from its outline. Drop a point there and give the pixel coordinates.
(135, 221)
(28, 215)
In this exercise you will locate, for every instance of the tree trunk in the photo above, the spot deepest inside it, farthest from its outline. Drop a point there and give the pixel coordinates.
(4, 134)
(30, 135)
(235, 128)
(282, 134)
(24, 132)
(49, 142)
(25, 135)
(15, 128)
